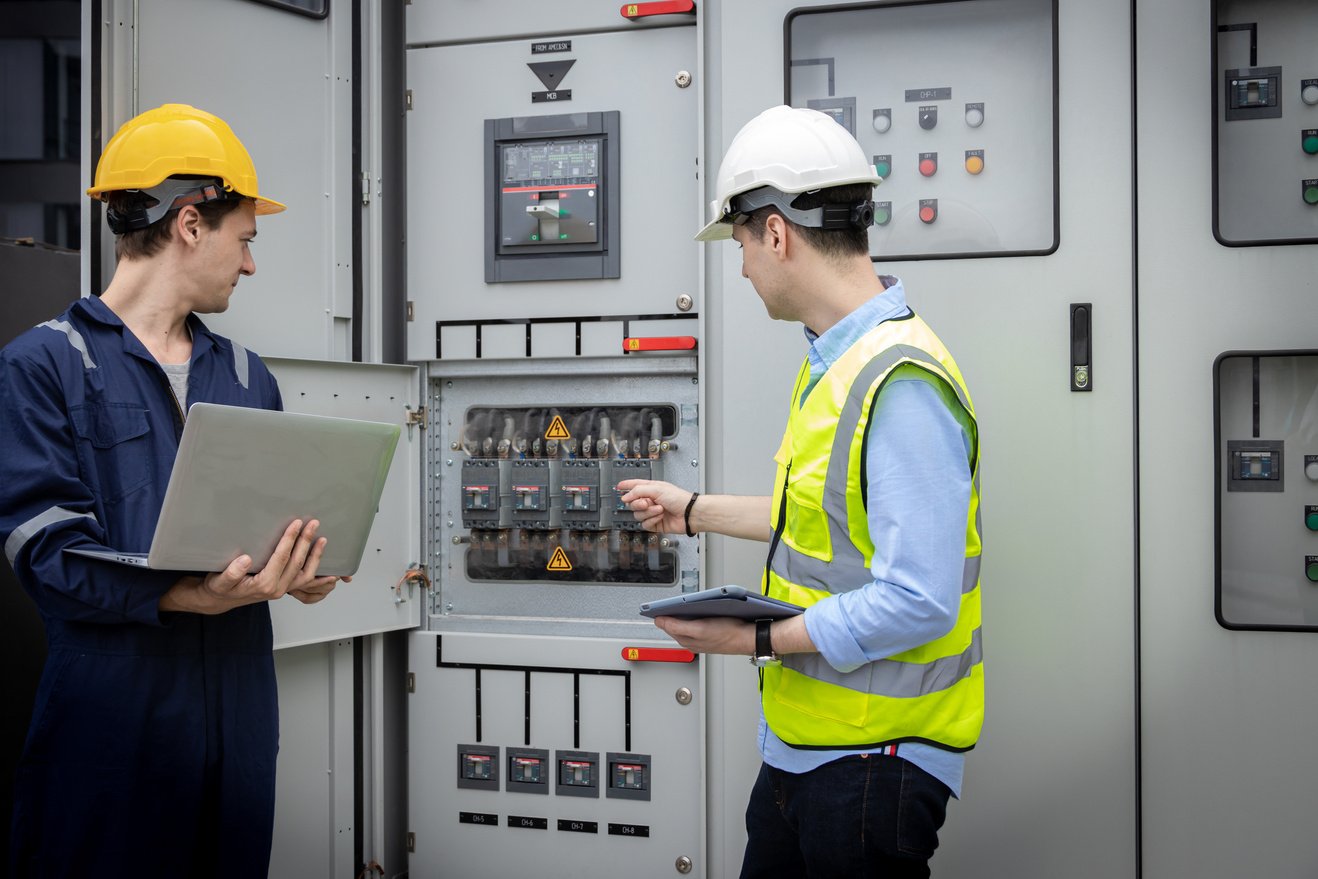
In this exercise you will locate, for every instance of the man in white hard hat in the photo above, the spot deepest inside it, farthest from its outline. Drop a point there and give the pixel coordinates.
(155, 730)
(870, 698)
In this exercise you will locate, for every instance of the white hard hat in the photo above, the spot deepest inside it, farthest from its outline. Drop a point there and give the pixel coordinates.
(792, 150)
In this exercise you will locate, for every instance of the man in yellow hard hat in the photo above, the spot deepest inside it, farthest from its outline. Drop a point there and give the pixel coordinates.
(871, 696)
(154, 734)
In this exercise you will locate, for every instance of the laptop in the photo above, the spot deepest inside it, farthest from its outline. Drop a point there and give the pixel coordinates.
(721, 601)
(242, 475)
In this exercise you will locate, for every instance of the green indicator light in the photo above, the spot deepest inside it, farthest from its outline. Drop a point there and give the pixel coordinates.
(1311, 195)
(1311, 571)
(1311, 520)
(881, 216)
(883, 169)
(535, 237)
(1311, 144)
(562, 236)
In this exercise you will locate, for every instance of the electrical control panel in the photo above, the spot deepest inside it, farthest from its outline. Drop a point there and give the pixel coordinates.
(956, 104)
(1265, 99)
(528, 524)
(1267, 497)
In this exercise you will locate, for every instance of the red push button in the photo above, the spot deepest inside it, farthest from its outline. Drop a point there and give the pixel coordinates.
(928, 164)
(657, 654)
(928, 210)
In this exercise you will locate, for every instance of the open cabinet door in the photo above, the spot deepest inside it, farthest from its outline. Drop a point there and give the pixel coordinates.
(382, 596)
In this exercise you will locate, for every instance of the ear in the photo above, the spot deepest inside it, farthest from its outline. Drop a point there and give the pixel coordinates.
(188, 225)
(776, 235)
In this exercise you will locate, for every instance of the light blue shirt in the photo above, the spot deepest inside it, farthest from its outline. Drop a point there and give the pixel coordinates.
(917, 466)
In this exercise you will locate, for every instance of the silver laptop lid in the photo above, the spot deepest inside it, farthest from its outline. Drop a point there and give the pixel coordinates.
(242, 475)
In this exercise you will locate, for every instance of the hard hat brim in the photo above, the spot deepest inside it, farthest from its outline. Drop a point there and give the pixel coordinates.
(715, 230)
(266, 206)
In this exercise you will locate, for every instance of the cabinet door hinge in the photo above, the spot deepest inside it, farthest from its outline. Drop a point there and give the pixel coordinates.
(411, 682)
(409, 99)
(416, 417)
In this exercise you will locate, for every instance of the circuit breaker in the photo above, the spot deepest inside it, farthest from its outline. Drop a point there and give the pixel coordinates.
(539, 480)
(552, 197)
(955, 102)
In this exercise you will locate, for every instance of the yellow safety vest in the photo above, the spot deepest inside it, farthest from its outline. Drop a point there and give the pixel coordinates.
(821, 546)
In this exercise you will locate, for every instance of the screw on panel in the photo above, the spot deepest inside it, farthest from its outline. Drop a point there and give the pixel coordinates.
(683, 864)
(684, 302)
(683, 696)
(683, 79)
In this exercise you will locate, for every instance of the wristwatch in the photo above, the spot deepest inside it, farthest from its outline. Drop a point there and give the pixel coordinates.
(764, 654)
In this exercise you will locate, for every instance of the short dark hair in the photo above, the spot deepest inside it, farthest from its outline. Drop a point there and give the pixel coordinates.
(142, 243)
(852, 241)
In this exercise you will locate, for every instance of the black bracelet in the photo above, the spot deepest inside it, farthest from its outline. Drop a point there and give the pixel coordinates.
(686, 516)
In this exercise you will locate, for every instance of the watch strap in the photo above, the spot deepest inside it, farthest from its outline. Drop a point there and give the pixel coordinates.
(764, 640)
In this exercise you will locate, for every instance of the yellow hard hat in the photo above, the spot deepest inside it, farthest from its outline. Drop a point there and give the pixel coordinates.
(174, 140)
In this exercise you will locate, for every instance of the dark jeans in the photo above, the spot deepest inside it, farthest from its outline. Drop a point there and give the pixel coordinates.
(862, 816)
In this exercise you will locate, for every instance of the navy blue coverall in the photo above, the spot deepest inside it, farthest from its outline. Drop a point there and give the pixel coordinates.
(153, 738)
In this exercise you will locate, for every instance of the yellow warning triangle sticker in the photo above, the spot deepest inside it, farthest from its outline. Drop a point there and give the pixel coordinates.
(557, 430)
(558, 562)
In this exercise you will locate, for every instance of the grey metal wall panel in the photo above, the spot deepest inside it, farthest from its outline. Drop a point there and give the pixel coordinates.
(294, 117)
(313, 778)
(1227, 754)
(455, 88)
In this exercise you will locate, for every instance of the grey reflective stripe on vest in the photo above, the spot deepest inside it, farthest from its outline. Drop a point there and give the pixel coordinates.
(29, 529)
(836, 577)
(75, 339)
(240, 366)
(858, 400)
(847, 570)
(970, 574)
(891, 677)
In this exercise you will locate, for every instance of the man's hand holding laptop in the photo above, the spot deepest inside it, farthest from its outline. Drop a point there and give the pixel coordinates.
(291, 570)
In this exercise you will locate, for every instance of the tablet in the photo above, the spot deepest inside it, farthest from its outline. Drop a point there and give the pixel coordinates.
(722, 601)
